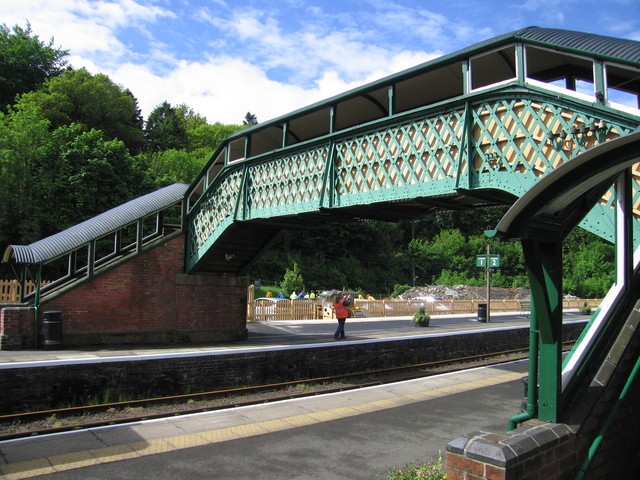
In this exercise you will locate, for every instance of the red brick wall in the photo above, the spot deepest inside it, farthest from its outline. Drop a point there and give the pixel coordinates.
(150, 300)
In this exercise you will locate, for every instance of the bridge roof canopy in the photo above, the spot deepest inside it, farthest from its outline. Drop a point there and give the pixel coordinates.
(52, 247)
(588, 44)
(558, 60)
(555, 205)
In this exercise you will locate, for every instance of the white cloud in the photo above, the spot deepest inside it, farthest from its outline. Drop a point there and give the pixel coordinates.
(224, 59)
(83, 27)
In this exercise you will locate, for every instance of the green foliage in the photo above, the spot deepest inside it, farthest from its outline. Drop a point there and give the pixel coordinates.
(449, 277)
(421, 316)
(420, 471)
(250, 119)
(209, 137)
(92, 101)
(398, 290)
(589, 267)
(292, 281)
(165, 128)
(24, 144)
(73, 145)
(171, 166)
(25, 62)
(82, 176)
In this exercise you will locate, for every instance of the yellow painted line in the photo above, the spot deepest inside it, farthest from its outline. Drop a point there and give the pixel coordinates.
(115, 453)
(70, 461)
(28, 469)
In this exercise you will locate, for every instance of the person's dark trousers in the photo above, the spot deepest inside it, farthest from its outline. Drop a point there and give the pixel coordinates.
(340, 330)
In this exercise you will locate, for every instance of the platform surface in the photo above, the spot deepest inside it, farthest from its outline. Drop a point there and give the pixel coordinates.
(278, 335)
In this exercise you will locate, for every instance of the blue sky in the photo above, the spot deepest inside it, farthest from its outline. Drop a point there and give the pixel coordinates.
(224, 58)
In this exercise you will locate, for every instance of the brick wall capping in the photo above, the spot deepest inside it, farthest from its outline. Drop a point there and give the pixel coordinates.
(507, 449)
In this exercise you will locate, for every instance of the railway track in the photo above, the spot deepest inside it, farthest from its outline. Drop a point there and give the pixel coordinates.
(90, 416)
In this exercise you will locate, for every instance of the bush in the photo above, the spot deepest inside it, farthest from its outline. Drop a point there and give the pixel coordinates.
(399, 290)
(419, 470)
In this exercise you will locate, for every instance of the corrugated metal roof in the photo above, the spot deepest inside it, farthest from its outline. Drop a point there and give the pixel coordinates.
(68, 240)
(620, 49)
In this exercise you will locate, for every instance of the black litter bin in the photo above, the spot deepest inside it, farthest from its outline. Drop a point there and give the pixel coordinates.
(482, 312)
(52, 329)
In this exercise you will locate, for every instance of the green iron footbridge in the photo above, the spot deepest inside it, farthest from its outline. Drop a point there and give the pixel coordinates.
(545, 120)
(477, 127)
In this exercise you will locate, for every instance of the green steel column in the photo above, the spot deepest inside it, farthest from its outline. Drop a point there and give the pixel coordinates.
(466, 80)
(465, 150)
(544, 267)
(242, 202)
(36, 305)
(247, 146)
(624, 229)
(332, 119)
(599, 82)
(328, 179)
(91, 260)
(285, 134)
(520, 63)
(392, 100)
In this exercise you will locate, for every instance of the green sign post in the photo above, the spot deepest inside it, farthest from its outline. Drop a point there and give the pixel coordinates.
(489, 262)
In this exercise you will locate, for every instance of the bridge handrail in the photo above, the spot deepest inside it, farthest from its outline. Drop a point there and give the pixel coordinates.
(229, 192)
(565, 43)
(97, 243)
(532, 91)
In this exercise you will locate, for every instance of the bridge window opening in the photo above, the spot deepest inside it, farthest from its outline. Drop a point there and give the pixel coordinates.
(61, 269)
(311, 125)
(150, 227)
(623, 87)
(127, 238)
(170, 219)
(196, 193)
(266, 140)
(105, 249)
(429, 88)
(560, 72)
(364, 108)
(236, 149)
(493, 68)
(78, 261)
(215, 168)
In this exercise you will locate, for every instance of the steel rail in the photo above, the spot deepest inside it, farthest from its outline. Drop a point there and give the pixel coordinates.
(457, 364)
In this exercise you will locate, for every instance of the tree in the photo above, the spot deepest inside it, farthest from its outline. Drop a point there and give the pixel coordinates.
(24, 143)
(292, 281)
(210, 136)
(25, 62)
(171, 166)
(83, 175)
(591, 272)
(165, 129)
(92, 101)
(250, 119)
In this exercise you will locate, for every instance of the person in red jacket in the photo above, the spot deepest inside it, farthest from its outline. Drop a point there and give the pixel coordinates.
(340, 305)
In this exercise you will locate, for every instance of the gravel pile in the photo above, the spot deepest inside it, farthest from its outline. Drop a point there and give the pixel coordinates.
(465, 292)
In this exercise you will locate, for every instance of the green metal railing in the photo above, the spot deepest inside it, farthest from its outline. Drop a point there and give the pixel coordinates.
(499, 140)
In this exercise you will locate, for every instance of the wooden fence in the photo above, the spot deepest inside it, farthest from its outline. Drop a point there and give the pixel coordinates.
(10, 290)
(307, 309)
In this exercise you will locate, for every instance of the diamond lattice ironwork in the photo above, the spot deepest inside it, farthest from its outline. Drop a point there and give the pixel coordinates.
(506, 144)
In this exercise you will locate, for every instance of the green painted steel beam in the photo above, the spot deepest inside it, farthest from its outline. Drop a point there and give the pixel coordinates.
(544, 266)
(501, 140)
